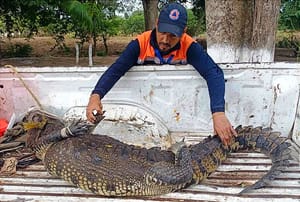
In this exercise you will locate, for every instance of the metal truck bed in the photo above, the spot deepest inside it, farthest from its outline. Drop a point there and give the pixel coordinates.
(173, 99)
(239, 170)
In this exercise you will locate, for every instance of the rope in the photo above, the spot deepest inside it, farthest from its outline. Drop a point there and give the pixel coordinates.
(24, 84)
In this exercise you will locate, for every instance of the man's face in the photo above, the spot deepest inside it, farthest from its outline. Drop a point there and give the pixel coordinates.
(166, 40)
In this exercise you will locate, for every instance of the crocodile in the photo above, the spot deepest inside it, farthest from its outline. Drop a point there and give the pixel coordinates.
(106, 166)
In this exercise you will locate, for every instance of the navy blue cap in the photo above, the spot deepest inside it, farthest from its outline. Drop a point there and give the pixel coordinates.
(172, 19)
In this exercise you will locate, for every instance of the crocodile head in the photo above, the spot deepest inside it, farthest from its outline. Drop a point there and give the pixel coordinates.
(38, 125)
(45, 129)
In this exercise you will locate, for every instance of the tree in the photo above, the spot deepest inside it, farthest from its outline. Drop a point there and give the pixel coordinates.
(152, 7)
(150, 13)
(195, 26)
(87, 18)
(290, 15)
(134, 24)
(92, 19)
(199, 12)
(241, 31)
(27, 15)
(127, 7)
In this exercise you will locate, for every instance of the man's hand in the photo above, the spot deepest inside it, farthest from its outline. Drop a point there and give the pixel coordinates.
(223, 127)
(94, 104)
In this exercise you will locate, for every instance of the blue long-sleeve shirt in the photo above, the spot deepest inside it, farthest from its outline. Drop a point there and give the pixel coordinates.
(196, 57)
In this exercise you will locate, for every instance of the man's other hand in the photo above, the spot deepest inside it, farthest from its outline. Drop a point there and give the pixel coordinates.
(223, 127)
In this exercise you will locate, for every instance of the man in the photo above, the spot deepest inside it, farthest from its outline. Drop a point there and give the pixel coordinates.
(168, 44)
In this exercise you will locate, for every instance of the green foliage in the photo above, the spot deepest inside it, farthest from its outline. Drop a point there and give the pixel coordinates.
(288, 40)
(195, 25)
(198, 7)
(20, 16)
(196, 16)
(86, 18)
(101, 53)
(127, 7)
(2, 25)
(290, 15)
(18, 50)
(134, 24)
(91, 19)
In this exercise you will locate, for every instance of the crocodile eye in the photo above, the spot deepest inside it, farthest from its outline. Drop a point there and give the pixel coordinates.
(37, 118)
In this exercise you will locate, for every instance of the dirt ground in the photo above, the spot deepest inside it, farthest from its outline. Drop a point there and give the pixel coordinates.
(42, 56)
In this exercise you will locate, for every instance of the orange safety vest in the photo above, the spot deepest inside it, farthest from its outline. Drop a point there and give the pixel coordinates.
(147, 52)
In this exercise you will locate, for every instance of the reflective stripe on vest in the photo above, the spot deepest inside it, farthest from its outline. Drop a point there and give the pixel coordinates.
(147, 52)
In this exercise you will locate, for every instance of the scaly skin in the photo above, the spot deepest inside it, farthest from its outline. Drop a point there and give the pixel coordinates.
(105, 166)
(108, 167)
(208, 155)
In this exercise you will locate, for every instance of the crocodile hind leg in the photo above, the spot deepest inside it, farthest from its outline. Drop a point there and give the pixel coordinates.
(165, 173)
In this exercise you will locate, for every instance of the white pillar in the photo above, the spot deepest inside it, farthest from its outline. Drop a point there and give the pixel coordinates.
(90, 54)
(77, 53)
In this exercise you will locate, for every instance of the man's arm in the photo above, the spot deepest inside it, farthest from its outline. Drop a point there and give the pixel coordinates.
(214, 77)
(127, 59)
(110, 77)
(212, 73)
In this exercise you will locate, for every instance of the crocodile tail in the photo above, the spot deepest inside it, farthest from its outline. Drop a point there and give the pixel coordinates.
(270, 143)
(206, 157)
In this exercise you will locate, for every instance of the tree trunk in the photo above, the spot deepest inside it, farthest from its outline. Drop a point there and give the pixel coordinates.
(105, 43)
(95, 43)
(150, 13)
(241, 31)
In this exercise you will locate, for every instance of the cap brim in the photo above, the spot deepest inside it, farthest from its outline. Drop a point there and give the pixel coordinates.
(165, 27)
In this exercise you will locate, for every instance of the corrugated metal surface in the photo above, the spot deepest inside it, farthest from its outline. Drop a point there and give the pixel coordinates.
(240, 169)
